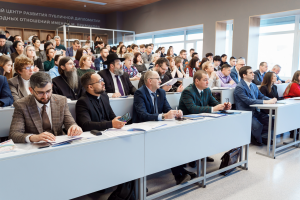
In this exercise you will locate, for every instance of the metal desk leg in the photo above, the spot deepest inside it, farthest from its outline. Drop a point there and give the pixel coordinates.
(246, 156)
(145, 188)
(141, 188)
(241, 155)
(274, 134)
(203, 163)
(199, 167)
(136, 188)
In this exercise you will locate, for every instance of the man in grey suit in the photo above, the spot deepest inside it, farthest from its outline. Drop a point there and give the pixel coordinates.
(40, 116)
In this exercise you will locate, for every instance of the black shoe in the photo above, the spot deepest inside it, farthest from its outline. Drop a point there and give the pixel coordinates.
(192, 174)
(192, 164)
(182, 178)
(265, 141)
(209, 159)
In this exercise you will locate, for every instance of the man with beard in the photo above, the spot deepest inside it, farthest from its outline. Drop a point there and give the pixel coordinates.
(116, 81)
(68, 83)
(93, 111)
(162, 68)
(40, 116)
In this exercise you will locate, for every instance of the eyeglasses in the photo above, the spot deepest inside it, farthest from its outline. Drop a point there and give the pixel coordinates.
(84, 52)
(99, 81)
(28, 68)
(164, 69)
(71, 64)
(156, 78)
(40, 94)
(31, 50)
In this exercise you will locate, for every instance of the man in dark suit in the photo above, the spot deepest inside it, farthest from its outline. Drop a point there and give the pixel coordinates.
(4, 47)
(245, 94)
(6, 98)
(117, 82)
(68, 83)
(260, 73)
(71, 51)
(93, 111)
(162, 68)
(149, 102)
(197, 98)
(235, 70)
(41, 115)
(103, 57)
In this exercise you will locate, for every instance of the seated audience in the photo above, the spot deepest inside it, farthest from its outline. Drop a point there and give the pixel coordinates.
(191, 54)
(122, 51)
(49, 63)
(246, 93)
(176, 67)
(85, 64)
(216, 63)
(150, 104)
(260, 73)
(142, 48)
(50, 113)
(19, 85)
(98, 46)
(202, 62)
(54, 71)
(276, 69)
(19, 49)
(147, 56)
(37, 43)
(170, 52)
(103, 58)
(293, 89)
(43, 55)
(117, 82)
(138, 63)
(6, 98)
(193, 64)
(155, 56)
(162, 68)
(48, 37)
(183, 55)
(81, 52)
(71, 51)
(232, 61)
(195, 54)
(214, 80)
(4, 48)
(113, 50)
(58, 45)
(6, 66)
(129, 68)
(93, 110)
(210, 56)
(225, 78)
(29, 51)
(235, 70)
(68, 83)
(223, 59)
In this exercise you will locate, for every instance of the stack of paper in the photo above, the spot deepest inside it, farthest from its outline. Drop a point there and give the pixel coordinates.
(7, 146)
(214, 115)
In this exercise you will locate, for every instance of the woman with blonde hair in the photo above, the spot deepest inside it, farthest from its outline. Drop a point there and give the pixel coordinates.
(214, 80)
(85, 64)
(293, 89)
(129, 68)
(6, 66)
(155, 57)
(29, 51)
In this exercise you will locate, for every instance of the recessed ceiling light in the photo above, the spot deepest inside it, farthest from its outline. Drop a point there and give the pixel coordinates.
(92, 2)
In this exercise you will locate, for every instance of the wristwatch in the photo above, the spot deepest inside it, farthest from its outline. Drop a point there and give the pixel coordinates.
(163, 117)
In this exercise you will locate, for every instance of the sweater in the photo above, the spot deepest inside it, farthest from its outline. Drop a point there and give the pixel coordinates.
(48, 65)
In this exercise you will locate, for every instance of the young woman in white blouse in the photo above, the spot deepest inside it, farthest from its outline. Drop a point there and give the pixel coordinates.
(214, 80)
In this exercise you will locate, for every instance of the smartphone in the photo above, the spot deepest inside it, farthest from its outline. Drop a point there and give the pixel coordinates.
(96, 132)
(125, 118)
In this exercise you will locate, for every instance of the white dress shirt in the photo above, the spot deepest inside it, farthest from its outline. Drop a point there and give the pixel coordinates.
(212, 108)
(40, 109)
(26, 85)
(116, 85)
(248, 83)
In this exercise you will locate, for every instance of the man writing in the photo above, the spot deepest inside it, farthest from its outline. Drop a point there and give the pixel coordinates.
(40, 116)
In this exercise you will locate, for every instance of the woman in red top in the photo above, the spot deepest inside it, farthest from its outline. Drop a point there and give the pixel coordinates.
(194, 63)
(293, 89)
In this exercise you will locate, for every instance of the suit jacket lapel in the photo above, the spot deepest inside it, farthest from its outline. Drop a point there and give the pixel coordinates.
(149, 98)
(35, 115)
(22, 87)
(124, 83)
(110, 80)
(246, 86)
(55, 113)
(197, 94)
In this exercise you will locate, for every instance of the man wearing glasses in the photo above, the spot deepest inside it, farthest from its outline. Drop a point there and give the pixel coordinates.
(40, 116)
(93, 111)
(162, 68)
(68, 83)
(150, 104)
(235, 70)
(117, 82)
(19, 85)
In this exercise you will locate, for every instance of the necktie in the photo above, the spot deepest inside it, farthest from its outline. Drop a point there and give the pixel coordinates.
(45, 120)
(155, 105)
(119, 86)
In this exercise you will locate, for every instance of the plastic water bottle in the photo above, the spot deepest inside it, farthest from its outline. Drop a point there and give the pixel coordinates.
(187, 73)
(194, 71)
(8, 54)
(101, 65)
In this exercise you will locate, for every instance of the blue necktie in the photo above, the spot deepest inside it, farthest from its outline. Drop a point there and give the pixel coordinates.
(155, 104)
